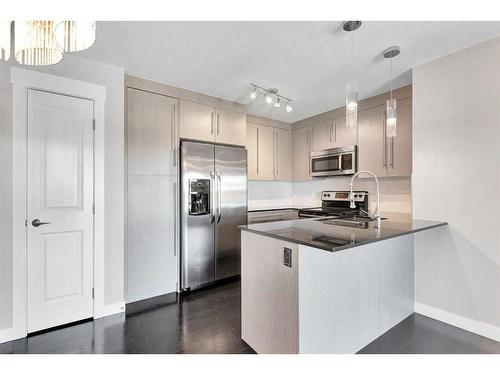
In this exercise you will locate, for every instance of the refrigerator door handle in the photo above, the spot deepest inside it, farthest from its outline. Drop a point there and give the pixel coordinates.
(219, 197)
(212, 199)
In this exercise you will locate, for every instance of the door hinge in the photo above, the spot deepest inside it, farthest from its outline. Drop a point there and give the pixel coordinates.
(93, 123)
(92, 293)
(93, 208)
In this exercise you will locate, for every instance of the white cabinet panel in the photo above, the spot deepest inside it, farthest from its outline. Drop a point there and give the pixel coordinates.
(372, 153)
(230, 127)
(151, 255)
(400, 160)
(283, 155)
(265, 153)
(252, 141)
(343, 136)
(322, 136)
(151, 129)
(197, 121)
(301, 148)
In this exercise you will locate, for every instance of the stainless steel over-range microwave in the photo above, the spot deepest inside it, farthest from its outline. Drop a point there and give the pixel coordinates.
(334, 161)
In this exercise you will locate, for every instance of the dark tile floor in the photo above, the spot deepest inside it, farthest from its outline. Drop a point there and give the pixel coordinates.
(208, 321)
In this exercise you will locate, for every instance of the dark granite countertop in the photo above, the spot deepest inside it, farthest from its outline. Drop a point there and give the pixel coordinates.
(331, 237)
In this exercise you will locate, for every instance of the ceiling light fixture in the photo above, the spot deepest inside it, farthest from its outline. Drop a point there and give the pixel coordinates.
(269, 96)
(253, 93)
(35, 43)
(75, 35)
(351, 97)
(5, 40)
(391, 118)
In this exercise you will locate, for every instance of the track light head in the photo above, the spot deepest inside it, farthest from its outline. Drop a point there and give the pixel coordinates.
(253, 93)
(277, 103)
(288, 107)
(268, 98)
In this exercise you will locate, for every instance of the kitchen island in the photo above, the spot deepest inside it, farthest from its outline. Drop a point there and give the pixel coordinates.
(326, 285)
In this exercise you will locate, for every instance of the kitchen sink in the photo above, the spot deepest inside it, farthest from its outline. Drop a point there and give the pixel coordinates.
(350, 221)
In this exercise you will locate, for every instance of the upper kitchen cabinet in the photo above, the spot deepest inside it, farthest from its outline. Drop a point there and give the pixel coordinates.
(372, 153)
(151, 133)
(343, 136)
(269, 150)
(197, 121)
(301, 148)
(400, 160)
(205, 122)
(331, 134)
(230, 127)
(323, 136)
(386, 157)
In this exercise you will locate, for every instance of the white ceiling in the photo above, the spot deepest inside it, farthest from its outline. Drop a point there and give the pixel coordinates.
(307, 61)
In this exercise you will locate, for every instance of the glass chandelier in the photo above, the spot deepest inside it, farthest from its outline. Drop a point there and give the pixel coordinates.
(75, 35)
(35, 43)
(391, 118)
(351, 97)
(5, 40)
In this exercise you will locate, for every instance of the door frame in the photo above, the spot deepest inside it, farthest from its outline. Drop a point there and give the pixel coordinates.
(22, 80)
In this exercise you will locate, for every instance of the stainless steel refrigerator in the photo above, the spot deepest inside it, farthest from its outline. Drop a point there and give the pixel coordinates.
(213, 204)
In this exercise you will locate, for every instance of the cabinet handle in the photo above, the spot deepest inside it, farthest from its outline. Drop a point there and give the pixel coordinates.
(277, 155)
(392, 153)
(218, 118)
(173, 139)
(257, 150)
(335, 130)
(274, 154)
(309, 150)
(212, 123)
(331, 129)
(384, 143)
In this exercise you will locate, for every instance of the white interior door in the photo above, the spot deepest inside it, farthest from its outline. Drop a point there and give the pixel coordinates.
(60, 196)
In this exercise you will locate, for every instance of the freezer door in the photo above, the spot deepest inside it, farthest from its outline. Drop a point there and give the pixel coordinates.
(231, 208)
(197, 214)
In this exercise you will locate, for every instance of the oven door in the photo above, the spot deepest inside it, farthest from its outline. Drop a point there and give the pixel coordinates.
(333, 164)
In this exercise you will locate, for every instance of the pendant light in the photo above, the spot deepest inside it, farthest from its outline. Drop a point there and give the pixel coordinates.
(351, 97)
(391, 118)
(35, 43)
(75, 35)
(5, 40)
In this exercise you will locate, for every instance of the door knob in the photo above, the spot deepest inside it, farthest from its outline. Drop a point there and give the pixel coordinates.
(36, 223)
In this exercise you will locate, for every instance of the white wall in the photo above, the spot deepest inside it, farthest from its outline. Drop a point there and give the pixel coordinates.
(456, 178)
(113, 79)
(5, 198)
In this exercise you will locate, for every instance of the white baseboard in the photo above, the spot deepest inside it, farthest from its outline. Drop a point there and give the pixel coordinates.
(112, 309)
(474, 326)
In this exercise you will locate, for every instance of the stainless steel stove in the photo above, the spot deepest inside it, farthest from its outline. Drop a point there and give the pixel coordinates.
(336, 204)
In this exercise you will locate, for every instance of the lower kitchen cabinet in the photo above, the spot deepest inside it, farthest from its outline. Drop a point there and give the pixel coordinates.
(301, 148)
(255, 217)
(269, 151)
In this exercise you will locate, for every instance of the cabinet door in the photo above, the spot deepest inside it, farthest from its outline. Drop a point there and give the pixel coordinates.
(322, 136)
(230, 127)
(252, 134)
(197, 121)
(399, 151)
(372, 153)
(301, 147)
(343, 136)
(151, 133)
(283, 153)
(266, 157)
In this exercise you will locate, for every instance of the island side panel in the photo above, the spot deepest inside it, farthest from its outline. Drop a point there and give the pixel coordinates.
(269, 295)
(349, 298)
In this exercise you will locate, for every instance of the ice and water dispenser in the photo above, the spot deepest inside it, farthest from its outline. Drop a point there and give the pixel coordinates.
(199, 197)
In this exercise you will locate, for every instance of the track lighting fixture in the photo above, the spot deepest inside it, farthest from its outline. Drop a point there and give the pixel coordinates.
(270, 96)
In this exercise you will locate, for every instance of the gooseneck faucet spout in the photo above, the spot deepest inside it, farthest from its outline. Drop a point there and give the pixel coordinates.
(376, 215)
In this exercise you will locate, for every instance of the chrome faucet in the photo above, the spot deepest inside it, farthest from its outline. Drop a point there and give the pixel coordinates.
(376, 215)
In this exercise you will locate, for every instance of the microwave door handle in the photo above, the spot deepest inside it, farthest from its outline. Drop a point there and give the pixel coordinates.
(340, 163)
